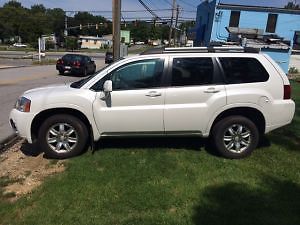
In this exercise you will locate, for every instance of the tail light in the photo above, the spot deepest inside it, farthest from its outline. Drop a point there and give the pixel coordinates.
(77, 63)
(287, 92)
(60, 61)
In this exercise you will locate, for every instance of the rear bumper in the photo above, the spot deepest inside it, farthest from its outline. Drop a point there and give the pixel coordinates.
(21, 123)
(282, 113)
(69, 69)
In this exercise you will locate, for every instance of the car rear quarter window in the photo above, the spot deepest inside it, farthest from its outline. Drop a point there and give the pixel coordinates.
(243, 70)
(192, 71)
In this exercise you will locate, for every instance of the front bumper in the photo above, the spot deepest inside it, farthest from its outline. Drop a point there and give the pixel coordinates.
(21, 123)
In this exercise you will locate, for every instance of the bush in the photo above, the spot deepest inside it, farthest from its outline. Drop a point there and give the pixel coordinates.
(293, 70)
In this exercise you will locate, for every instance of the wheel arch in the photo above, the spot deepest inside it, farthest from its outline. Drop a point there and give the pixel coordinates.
(41, 116)
(255, 115)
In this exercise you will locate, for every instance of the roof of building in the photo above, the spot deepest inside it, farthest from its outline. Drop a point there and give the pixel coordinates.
(92, 38)
(257, 8)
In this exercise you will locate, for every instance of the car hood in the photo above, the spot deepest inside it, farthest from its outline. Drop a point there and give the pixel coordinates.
(47, 89)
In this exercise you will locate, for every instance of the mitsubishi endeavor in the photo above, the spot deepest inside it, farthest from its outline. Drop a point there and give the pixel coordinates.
(231, 95)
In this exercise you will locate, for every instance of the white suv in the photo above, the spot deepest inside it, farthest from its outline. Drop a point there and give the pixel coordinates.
(227, 95)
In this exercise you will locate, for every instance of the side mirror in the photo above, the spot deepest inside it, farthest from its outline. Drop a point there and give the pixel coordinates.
(107, 86)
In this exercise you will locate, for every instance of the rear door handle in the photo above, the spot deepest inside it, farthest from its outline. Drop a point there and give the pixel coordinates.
(211, 90)
(153, 94)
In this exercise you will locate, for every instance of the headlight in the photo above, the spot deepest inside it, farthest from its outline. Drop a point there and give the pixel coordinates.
(23, 104)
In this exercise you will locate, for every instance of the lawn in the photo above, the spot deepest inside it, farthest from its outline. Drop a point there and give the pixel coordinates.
(170, 181)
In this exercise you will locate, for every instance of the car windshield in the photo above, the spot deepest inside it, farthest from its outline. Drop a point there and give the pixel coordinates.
(72, 58)
(80, 83)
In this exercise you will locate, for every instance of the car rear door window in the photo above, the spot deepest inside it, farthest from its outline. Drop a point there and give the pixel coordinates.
(243, 70)
(192, 71)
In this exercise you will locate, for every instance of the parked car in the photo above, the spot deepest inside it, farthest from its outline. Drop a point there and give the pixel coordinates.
(109, 57)
(19, 45)
(76, 64)
(231, 97)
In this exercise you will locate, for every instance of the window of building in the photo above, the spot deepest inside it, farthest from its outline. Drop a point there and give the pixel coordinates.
(192, 71)
(243, 70)
(271, 24)
(234, 18)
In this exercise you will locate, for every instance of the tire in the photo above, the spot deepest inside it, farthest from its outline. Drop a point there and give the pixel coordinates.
(61, 72)
(85, 72)
(235, 137)
(94, 70)
(57, 139)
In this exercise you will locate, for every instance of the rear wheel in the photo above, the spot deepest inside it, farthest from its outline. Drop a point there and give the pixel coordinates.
(61, 72)
(63, 136)
(235, 137)
(85, 72)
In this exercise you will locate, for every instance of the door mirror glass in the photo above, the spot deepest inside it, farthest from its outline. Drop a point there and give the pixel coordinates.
(107, 86)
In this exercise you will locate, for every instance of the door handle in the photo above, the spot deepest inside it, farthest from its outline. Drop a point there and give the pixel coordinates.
(153, 94)
(211, 90)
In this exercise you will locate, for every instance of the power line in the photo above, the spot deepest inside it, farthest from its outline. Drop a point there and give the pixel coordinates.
(149, 10)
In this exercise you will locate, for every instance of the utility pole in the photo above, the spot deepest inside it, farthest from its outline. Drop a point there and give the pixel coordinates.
(176, 23)
(66, 26)
(171, 23)
(116, 8)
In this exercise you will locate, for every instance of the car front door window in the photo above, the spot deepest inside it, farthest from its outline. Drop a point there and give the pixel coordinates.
(138, 75)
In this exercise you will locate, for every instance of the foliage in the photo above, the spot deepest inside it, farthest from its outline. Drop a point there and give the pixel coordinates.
(71, 43)
(142, 31)
(293, 70)
(29, 24)
(18, 23)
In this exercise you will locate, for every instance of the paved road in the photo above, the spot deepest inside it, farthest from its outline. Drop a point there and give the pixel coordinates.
(13, 82)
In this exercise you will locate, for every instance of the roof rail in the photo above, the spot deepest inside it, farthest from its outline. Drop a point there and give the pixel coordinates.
(162, 50)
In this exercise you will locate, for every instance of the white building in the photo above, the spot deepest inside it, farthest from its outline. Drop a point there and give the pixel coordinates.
(91, 42)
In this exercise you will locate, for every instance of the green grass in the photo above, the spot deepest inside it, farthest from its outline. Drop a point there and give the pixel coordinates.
(171, 181)
(45, 62)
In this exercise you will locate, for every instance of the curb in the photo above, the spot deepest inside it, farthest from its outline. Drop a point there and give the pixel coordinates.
(11, 67)
(8, 142)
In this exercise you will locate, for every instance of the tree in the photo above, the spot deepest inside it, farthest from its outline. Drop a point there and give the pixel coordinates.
(71, 43)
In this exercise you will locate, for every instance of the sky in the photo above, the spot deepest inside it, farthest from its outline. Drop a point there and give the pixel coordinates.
(188, 6)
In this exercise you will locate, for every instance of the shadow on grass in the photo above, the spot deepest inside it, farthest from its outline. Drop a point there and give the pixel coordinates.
(286, 138)
(271, 202)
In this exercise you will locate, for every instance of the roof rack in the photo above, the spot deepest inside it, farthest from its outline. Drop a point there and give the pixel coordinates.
(212, 49)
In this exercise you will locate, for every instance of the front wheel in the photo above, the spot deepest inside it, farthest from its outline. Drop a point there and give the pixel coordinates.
(63, 136)
(235, 137)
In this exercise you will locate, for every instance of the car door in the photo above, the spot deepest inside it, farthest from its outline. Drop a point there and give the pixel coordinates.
(136, 103)
(195, 93)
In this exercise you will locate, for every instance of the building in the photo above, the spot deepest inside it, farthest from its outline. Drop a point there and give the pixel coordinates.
(218, 22)
(90, 42)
